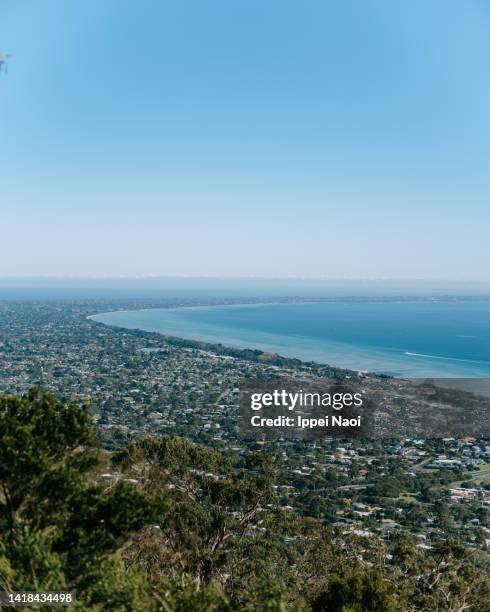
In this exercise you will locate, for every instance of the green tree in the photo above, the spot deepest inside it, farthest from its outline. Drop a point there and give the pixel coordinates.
(58, 530)
(208, 504)
(357, 591)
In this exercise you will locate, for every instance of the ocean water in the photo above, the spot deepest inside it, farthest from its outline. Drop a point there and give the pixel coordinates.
(420, 338)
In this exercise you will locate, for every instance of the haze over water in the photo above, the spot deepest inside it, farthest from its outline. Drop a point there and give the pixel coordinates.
(429, 338)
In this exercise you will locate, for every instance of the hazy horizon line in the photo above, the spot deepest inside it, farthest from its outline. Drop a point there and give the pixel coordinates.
(235, 277)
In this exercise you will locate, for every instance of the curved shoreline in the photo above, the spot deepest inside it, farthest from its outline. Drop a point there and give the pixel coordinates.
(385, 359)
(217, 342)
(236, 345)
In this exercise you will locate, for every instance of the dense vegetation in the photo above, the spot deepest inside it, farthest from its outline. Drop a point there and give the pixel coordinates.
(166, 524)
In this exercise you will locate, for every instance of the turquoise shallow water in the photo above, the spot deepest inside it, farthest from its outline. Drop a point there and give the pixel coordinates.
(432, 338)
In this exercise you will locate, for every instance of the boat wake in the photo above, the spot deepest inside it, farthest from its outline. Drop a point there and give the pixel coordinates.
(446, 358)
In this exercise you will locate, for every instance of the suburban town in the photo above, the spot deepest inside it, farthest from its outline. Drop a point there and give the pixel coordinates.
(141, 384)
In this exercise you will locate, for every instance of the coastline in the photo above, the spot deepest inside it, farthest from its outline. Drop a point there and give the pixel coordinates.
(221, 347)
(376, 358)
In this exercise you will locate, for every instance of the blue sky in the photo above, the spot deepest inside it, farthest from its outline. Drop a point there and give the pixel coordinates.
(338, 139)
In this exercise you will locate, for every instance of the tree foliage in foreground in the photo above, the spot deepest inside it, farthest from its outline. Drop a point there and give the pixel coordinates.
(183, 527)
